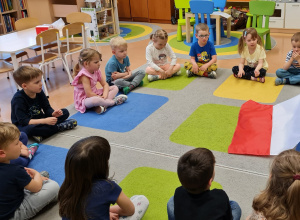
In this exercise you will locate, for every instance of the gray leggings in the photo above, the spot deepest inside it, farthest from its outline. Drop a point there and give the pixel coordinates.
(135, 79)
(35, 202)
(98, 101)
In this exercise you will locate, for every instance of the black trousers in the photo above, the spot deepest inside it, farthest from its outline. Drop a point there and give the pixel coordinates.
(44, 130)
(249, 71)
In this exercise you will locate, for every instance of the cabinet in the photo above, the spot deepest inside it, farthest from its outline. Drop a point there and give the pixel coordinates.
(47, 11)
(291, 11)
(156, 11)
(10, 11)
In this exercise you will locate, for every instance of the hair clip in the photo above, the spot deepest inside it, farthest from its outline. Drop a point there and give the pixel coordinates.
(245, 34)
(296, 177)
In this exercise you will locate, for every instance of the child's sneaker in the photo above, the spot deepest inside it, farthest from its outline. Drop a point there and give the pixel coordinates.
(153, 78)
(67, 124)
(32, 148)
(262, 79)
(100, 109)
(126, 90)
(212, 75)
(38, 139)
(280, 81)
(189, 73)
(120, 99)
(141, 84)
(45, 174)
(177, 73)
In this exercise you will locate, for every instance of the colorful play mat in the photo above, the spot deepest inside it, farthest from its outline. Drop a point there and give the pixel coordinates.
(133, 31)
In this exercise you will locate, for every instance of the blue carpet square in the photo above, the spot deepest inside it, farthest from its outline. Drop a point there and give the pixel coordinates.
(125, 117)
(51, 159)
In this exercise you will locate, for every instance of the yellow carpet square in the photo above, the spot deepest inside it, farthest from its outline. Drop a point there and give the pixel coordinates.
(242, 89)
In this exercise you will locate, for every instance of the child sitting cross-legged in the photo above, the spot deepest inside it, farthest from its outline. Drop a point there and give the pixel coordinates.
(86, 76)
(118, 70)
(203, 55)
(194, 199)
(23, 191)
(31, 111)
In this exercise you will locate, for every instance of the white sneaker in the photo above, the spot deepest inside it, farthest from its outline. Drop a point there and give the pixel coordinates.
(177, 73)
(189, 73)
(152, 78)
(212, 75)
(120, 99)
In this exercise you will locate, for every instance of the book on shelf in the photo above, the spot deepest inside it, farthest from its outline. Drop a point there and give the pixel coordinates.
(6, 5)
(9, 22)
(22, 4)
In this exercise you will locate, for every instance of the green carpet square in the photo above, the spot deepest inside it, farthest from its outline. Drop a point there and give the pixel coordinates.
(173, 83)
(157, 185)
(211, 126)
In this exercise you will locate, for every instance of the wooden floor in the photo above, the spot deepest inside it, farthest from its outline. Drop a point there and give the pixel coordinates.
(61, 92)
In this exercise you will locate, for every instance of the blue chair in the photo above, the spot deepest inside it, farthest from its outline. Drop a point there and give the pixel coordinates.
(203, 7)
(221, 5)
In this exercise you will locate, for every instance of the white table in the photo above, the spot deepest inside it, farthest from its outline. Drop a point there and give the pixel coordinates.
(190, 15)
(17, 41)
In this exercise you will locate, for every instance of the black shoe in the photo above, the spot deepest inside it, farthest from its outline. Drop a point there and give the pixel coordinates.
(67, 124)
(38, 139)
(44, 174)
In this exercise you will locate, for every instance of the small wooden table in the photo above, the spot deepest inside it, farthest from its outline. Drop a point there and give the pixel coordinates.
(215, 15)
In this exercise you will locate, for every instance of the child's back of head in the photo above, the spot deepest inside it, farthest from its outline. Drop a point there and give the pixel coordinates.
(281, 198)
(195, 169)
(25, 74)
(86, 162)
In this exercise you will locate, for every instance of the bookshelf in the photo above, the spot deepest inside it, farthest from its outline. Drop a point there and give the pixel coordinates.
(105, 21)
(10, 11)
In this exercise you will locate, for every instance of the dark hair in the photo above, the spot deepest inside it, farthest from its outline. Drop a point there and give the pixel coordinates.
(281, 198)
(86, 161)
(195, 168)
(254, 35)
(26, 73)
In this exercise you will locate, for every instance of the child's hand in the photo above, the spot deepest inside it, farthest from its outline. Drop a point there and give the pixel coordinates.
(103, 96)
(203, 67)
(57, 113)
(169, 72)
(44, 178)
(256, 72)
(195, 68)
(24, 151)
(113, 216)
(114, 75)
(128, 75)
(50, 120)
(31, 172)
(296, 56)
(163, 75)
(241, 73)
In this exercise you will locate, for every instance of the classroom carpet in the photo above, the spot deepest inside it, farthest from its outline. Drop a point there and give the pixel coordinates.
(157, 185)
(200, 130)
(125, 117)
(241, 89)
(173, 83)
(51, 159)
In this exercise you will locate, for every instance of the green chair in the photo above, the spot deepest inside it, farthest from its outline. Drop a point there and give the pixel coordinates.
(260, 9)
(183, 6)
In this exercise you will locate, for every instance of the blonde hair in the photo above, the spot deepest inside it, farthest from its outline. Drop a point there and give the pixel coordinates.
(117, 42)
(254, 35)
(201, 27)
(8, 133)
(281, 198)
(86, 55)
(296, 37)
(25, 74)
(159, 34)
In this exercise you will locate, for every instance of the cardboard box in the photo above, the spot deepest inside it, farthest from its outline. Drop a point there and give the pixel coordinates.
(41, 28)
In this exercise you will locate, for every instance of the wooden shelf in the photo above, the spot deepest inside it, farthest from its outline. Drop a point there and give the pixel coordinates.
(8, 12)
(103, 10)
(107, 23)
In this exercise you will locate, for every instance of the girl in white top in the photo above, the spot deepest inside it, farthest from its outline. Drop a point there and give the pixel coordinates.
(250, 47)
(157, 53)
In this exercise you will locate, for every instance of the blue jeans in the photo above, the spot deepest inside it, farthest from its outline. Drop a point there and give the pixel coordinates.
(235, 209)
(292, 74)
